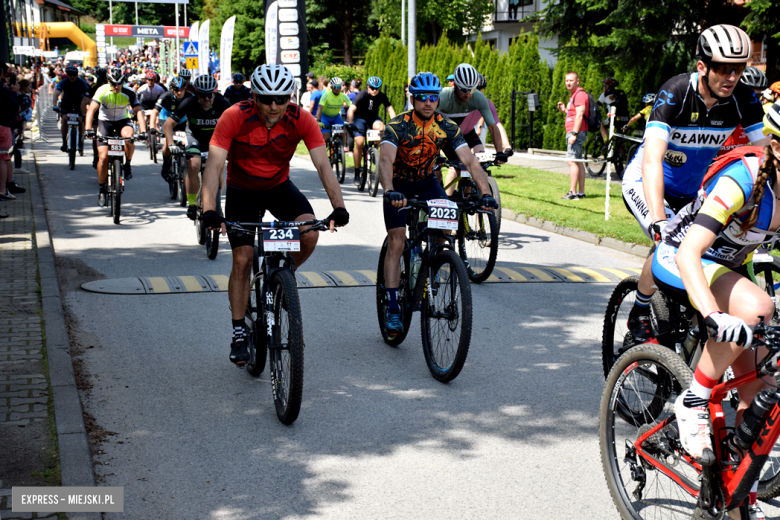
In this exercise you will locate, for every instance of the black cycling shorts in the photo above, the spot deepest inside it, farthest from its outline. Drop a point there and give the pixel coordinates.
(70, 107)
(426, 189)
(196, 146)
(111, 129)
(472, 139)
(284, 202)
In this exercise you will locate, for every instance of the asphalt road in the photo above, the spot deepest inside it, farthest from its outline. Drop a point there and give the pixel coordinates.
(514, 436)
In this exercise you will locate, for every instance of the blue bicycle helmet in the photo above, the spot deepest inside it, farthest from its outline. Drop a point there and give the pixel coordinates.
(176, 82)
(238, 77)
(374, 82)
(425, 83)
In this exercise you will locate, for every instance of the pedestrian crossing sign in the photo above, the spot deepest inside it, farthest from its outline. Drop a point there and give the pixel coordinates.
(191, 49)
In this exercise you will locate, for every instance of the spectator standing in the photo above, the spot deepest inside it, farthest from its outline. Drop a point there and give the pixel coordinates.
(355, 89)
(576, 112)
(311, 86)
(314, 102)
(9, 110)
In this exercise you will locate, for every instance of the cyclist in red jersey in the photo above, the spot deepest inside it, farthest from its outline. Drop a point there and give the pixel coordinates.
(261, 135)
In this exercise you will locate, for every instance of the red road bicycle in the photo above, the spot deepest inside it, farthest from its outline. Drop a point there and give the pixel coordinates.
(648, 472)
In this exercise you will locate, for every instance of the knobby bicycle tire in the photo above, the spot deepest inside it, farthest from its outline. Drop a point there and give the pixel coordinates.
(374, 173)
(404, 297)
(448, 309)
(212, 237)
(477, 235)
(653, 377)
(594, 148)
(254, 319)
(340, 161)
(364, 172)
(116, 195)
(181, 180)
(496, 195)
(72, 143)
(153, 147)
(287, 353)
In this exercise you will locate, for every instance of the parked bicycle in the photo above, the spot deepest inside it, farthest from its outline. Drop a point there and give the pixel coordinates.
(115, 185)
(433, 281)
(618, 151)
(648, 472)
(273, 315)
(205, 236)
(336, 152)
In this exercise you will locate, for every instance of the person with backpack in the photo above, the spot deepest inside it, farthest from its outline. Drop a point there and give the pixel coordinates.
(577, 111)
(613, 97)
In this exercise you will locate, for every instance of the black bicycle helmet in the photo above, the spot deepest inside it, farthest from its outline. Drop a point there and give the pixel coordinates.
(610, 82)
(115, 76)
(238, 77)
(754, 78)
(101, 72)
(176, 82)
(481, 82)
(71, 69)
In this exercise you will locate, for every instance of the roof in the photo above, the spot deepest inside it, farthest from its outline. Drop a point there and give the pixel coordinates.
(63, 6)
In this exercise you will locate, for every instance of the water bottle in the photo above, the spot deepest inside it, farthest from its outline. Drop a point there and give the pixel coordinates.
(692, 339)
(416, 261)
(754, 418)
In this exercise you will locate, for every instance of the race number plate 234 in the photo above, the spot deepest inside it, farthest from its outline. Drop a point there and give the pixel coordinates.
(281, 239)
(116, 147)
(442, 214)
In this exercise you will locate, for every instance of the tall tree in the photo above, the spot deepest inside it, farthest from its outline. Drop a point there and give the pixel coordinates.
(435, 18)
(763, 23)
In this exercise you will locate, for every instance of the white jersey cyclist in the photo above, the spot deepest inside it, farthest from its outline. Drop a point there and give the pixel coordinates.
(115, 107)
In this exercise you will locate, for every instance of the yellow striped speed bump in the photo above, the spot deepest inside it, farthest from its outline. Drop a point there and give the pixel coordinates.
(362, 278)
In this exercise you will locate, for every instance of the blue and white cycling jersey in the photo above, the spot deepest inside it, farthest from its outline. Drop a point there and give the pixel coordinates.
(695, 134)
(167, 103)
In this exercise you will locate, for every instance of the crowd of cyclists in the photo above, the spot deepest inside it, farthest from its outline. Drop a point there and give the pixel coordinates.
(701, 185)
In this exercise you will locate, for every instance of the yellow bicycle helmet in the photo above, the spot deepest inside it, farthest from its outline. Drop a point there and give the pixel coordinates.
(772, 121)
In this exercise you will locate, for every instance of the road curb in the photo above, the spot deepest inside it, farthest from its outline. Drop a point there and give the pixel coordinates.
(75, 458)
(623, 247)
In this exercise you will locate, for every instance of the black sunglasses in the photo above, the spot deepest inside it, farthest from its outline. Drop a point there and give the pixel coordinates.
(207, 95)
(465, 90)
(176, 90)
(267, 100)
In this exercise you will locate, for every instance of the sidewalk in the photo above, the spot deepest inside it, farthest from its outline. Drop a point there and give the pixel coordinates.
(44, 441)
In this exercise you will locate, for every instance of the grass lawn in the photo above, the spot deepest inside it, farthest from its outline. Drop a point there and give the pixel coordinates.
(535, 193)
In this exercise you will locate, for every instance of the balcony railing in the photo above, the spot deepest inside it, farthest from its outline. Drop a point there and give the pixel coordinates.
(512, 14)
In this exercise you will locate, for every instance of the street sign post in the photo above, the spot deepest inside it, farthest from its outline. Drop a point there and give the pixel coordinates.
(191, 55)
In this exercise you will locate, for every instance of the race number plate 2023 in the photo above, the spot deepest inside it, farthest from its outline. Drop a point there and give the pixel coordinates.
(281, 239)
(442, 214)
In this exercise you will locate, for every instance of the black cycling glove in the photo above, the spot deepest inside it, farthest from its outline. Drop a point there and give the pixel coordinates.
(656, 229)
(89, 134)
(488, 202)
(143, 136)
(394, 196)
(509, 152)
(212, 219)
(340, 217)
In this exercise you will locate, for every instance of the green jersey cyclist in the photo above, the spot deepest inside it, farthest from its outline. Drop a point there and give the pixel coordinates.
(407, 155)
(115, 104)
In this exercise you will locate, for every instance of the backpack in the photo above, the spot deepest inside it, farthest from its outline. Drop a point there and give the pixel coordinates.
(594, 114)
(722, 161)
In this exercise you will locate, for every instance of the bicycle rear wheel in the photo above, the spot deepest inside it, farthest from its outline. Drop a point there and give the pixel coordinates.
(446, 317)
(212, 237)
(72, 137)
(478, 244)
(405, 296)
(639, 396)
(594, 149)
(116, 194)
(373, 176)
(496, 195)
(342, 168)
(286, 349)
(254, 320)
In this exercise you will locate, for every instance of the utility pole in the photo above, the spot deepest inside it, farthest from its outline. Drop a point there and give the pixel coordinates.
(412, 70)
(111, 17)
(403, 22)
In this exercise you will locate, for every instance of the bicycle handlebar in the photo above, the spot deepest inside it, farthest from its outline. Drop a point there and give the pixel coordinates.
(316, 225)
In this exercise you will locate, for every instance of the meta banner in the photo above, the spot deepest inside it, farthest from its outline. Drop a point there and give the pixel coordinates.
(285, 41)
(146, 31)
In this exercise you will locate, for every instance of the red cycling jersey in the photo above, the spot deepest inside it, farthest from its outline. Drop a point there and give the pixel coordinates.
(736, 139)
(259, 157)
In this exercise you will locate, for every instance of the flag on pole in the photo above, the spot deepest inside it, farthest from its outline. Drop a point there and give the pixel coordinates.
(226, 52)
(193, 37)
(203, 47)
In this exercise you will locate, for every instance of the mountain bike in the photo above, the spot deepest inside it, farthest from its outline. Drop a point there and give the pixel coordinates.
(179, 170)
(369, 173)
(273, 314)
(115, 185)
(616, 150)
(336, 152)
(648, 473)
(433, 281)
(205, 236)
(766, 268)
(478, 229)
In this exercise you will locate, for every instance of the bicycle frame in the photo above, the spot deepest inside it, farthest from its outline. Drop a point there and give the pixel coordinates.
(737, 479)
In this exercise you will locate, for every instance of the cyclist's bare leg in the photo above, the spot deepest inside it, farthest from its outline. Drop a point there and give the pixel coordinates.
(395, 248)
(358, 155)
(604, 133)
(646, 285)
(102, 167)
(127, 131)
(238, 288)
(308, 242)
(193, 168)
(452, 174)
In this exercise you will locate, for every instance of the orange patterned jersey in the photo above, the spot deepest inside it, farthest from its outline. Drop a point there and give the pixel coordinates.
(419, 143)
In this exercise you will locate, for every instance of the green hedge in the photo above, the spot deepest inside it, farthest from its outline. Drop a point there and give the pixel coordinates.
(519, 69)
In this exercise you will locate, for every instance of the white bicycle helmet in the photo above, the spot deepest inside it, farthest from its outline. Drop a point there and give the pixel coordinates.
(724, 44)
(336, 83)
(466, 76)
(204, 83)
(272, 80)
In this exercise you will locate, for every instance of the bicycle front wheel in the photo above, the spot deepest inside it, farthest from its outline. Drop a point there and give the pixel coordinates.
(182, 185)
(594, 149)
(373, 176)
(342, 168)
(286, 348)
(639, 397)
(405, 296)
(72, 137)
(496, 195)
(446, 317)
(116, 194)
(254, 319)
(478, 244)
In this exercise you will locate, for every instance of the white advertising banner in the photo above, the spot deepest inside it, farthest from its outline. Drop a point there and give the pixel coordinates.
(203, 47)
(194, 32)
(271, 36)
(226, 52)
